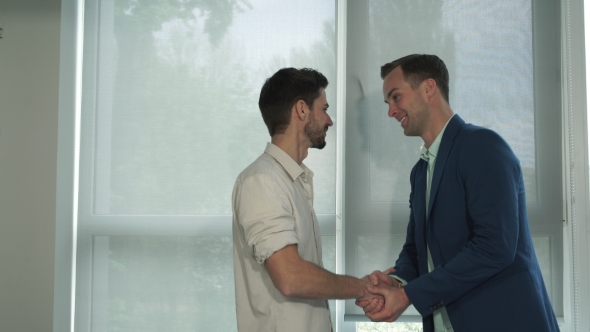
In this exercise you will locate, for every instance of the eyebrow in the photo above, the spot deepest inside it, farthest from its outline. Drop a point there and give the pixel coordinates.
(389, 94)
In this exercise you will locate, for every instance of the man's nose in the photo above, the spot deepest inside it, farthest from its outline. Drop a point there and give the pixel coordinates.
(392, 111)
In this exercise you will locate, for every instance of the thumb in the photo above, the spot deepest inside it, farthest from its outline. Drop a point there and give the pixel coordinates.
(384, 277)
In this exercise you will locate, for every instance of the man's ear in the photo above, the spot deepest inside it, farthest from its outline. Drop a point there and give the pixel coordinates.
(301, 110)
(429, 87)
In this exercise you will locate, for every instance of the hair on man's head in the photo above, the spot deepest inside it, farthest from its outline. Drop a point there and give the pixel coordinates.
(419, 67)
(282, 90)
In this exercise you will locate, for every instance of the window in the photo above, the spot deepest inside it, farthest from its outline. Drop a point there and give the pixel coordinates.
(169, 117)
(503, 61)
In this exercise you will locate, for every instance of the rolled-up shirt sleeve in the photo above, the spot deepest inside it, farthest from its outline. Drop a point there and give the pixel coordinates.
(265, 215)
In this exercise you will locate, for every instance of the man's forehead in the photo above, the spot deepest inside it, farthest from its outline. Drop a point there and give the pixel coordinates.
(395, 77)
(396, 74)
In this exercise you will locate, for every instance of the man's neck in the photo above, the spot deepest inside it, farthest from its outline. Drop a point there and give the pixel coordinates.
(438, 121)
(295, 148)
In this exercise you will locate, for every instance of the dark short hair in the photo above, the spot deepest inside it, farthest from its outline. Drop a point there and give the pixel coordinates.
(419, 67)
(282, 90)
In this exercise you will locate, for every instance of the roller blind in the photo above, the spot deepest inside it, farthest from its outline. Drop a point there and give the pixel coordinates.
(169, 119)
(503, 61)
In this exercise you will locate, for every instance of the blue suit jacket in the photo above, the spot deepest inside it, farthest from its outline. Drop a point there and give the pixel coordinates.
(486, 271)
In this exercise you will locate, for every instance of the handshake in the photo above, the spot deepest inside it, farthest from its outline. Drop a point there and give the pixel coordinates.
(384, 299)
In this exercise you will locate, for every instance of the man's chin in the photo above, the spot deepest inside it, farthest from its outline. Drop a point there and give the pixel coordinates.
(319, 145)
(410, 133)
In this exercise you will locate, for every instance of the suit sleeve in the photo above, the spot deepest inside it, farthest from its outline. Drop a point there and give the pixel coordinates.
(490, 179)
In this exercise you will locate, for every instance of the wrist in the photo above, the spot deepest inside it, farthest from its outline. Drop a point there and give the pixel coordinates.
(395, 282)
(405, 297)
(396, 278)
(362, 288)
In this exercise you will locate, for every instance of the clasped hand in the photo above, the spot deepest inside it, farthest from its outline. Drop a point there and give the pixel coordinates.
(389, 301)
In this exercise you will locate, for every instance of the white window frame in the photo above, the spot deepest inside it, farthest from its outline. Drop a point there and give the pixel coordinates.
(575, 169)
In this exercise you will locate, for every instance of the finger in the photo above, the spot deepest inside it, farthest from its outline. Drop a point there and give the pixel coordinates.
(390, 270)
(371, 306)
(378, 276)
(362, 303)
(381, 316)
(384, 278)
(379, 291)
(376, 306)
(374, 279)
(379, 306)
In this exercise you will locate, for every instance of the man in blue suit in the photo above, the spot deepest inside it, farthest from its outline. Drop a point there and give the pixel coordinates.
(468, 263)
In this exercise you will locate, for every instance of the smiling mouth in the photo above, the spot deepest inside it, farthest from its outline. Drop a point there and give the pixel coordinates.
(401, 121)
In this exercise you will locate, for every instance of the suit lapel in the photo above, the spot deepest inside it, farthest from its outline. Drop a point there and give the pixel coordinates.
(420, 196)
(444, 150)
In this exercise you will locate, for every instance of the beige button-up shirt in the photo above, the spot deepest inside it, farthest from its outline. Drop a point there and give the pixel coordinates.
(272, 206)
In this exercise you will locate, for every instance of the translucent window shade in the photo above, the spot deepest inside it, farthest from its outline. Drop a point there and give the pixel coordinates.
(163, 283)
(502, 59)
(169, 118)
(490, 88)
(167, 284)
(171, 99)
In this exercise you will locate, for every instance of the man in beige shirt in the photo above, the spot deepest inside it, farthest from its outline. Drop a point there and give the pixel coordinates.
(281, 284)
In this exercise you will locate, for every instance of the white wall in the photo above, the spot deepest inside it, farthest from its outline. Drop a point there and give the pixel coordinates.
(29, 77)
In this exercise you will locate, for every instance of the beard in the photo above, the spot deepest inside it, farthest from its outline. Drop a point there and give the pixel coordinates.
(315, 133)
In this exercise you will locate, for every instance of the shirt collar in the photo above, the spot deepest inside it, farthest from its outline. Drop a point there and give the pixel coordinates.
(431, 152)
(293, 169)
